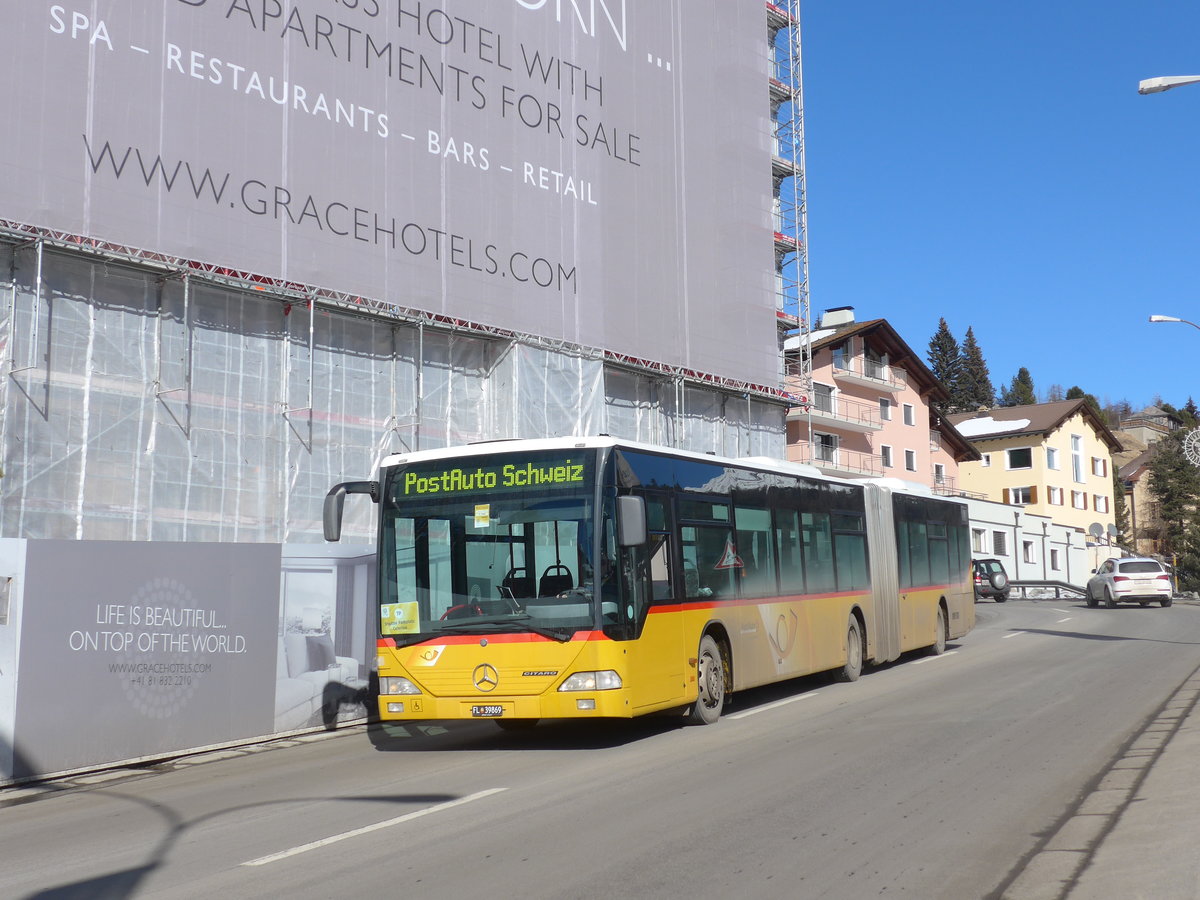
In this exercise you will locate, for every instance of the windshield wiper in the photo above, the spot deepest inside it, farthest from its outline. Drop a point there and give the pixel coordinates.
(521, 622)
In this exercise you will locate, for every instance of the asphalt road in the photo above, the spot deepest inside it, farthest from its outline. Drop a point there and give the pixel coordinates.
(928, 778)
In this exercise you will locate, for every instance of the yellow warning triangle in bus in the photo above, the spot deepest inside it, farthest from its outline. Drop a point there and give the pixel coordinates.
(729, 559)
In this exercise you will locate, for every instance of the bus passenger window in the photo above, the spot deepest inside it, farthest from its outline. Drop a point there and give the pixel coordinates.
(709, 561)
(818, 552)
(756, 551)
(791, 566)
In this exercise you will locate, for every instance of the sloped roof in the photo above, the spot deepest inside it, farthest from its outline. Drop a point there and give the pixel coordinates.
(1135, 465)
(883, 336)
(1034, 419)
(956, 444)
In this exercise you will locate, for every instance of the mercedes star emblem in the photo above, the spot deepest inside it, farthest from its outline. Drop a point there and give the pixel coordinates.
(485, 677)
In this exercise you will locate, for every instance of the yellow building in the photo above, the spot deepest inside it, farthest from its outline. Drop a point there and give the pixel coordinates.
(1052, 459)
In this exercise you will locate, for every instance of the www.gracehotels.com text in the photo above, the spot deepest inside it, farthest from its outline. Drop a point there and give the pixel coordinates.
(338, 219)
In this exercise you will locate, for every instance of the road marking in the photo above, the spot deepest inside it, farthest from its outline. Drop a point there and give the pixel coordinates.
(1056, 609)
(917, 662)
(333, 839)
(776, 704)
(1005, 637)
(1067, 619)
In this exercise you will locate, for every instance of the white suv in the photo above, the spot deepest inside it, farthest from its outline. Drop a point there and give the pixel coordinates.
(1136, 579)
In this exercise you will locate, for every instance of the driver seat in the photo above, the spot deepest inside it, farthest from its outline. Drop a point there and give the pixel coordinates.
(556, 579)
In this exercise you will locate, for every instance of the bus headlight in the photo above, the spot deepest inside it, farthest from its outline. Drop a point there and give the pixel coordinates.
(607, 680)
(397, 685)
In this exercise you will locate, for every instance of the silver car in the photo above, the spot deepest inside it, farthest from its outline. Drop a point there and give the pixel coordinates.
(1136, 579)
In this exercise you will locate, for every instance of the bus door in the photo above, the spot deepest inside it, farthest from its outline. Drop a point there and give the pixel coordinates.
(648, 587)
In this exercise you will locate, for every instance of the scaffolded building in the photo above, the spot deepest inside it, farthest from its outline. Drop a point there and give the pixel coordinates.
(150, 397)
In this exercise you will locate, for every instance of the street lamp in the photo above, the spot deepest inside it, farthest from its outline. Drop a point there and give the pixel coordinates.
(1173, 318)
(1165, 83)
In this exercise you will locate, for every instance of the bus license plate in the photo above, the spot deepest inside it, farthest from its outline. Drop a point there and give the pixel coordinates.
(487, 712)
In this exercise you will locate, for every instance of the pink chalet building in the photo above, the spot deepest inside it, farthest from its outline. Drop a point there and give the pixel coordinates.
(873, 409)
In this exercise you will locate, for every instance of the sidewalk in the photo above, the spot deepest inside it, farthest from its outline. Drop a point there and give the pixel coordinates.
(1135, 836)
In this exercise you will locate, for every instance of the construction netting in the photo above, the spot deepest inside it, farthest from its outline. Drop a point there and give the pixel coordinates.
(143, 406)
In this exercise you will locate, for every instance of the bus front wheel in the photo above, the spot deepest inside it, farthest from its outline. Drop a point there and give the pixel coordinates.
(854, 653)
(710, 680)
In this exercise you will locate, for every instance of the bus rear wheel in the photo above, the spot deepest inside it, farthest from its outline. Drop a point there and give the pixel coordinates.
(854, 653)
(710, 681)
(938, 647)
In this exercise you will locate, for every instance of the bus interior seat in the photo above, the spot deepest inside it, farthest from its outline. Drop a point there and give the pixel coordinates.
(517, 583)
(556, 579)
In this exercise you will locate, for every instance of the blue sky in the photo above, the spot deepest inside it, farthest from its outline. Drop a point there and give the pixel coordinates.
(993, 163)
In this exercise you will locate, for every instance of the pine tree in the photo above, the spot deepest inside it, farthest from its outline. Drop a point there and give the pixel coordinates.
(1020, 391)
(1175, 484)
(1190, 409)
(977, 390)
(1187, 558)
(945, 361)
(1077, 393)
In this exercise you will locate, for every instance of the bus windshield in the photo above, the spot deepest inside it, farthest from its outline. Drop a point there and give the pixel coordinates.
(490, 544)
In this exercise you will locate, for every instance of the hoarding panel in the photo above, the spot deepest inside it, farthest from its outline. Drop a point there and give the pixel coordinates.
(595, 171)
(134, 649)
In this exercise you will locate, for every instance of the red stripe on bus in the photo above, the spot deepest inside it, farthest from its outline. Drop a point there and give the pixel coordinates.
(497, 638)
(680, 605)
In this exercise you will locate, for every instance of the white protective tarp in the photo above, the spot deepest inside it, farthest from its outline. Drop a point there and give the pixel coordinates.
(138, 408)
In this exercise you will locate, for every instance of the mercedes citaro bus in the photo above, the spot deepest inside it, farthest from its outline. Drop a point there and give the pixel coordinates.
(595, 577)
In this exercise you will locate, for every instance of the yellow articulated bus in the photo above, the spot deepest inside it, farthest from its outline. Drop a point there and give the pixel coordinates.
(595, 577)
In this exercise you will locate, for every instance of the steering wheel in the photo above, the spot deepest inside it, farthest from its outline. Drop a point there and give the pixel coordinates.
(462, 610)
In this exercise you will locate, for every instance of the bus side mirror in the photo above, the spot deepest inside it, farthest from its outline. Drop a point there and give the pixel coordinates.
(631, 521)
(336, 499)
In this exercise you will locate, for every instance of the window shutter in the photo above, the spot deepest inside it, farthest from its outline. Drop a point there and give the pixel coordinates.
(1033, 494)
(1005, 500)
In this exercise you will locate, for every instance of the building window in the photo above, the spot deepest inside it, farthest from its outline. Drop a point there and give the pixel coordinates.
(978, 540)
(909, 418)
(1027, 552)
(1054, 561)
(885, 409)
(1020, 458)
(1077, 458)
(822, 397)
(1052, 458)
(939, 473)
(1099, 503)
(873, 364)
(910, 460)
(1000, 543)
(1021, 496)
(840, 357)
(885, 456)
(825, 446)
(986, 460)
(1056, 496)
(1099, 466)
(1079, 499)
